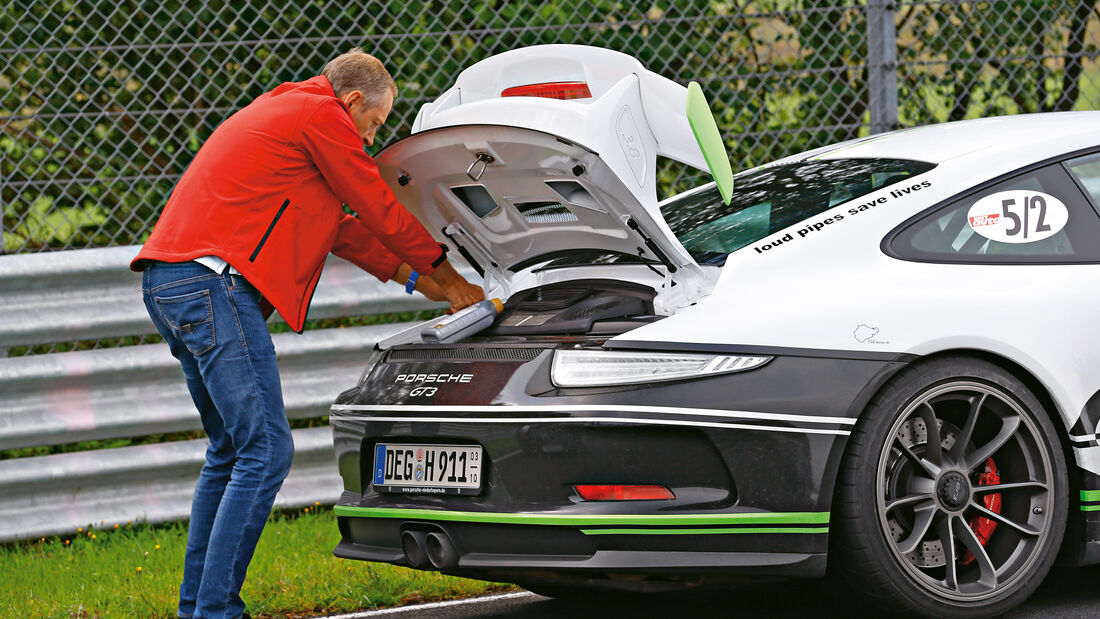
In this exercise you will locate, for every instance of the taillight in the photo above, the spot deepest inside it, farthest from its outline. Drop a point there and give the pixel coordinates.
(598, 368)
(550, 90)
(623, 493)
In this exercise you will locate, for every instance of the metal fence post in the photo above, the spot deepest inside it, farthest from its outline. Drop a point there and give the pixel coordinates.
(882, 64)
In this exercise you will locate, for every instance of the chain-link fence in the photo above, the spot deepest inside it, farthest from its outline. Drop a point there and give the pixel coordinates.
(105, 103)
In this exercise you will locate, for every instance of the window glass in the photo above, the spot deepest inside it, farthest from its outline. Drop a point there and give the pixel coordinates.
(767, 200)
(1087, 171)
(1039, 216)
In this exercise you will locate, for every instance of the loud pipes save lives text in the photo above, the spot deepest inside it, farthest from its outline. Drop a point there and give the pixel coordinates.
(855, 210)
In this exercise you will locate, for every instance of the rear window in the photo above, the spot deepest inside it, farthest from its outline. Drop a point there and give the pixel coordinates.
(1040, 216)
(768, 200)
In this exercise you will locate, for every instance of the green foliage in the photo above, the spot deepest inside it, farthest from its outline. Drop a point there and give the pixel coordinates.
(107, 342)
(134, 570)
(831, 92)
(105, 103)
(970, 60)
(357, 321)
(48, 450)
(43, 223)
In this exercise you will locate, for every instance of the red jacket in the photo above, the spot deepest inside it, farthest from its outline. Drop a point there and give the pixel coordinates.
(264, 194)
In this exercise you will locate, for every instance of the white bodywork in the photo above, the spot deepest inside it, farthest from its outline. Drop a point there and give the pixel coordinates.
(817, 291)
(633, 116)
(833, 289)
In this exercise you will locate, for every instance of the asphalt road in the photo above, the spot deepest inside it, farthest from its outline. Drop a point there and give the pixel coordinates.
(1066, 594)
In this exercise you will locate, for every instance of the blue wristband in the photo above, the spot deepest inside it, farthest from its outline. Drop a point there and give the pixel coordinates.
(411, 284)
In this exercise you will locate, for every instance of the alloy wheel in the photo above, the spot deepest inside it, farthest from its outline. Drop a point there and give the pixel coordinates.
(964, 490)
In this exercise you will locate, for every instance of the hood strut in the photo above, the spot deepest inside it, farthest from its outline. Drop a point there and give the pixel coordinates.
(465, 252)
(633, 225)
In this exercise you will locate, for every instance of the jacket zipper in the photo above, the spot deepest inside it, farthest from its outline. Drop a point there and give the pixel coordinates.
(256, 251)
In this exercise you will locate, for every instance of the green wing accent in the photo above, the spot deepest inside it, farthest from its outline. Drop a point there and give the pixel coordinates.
(710, 140)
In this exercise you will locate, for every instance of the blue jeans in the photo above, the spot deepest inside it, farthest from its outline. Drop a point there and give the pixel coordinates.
(213, 325)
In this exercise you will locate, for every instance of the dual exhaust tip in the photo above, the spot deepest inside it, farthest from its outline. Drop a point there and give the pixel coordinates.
(427, 550)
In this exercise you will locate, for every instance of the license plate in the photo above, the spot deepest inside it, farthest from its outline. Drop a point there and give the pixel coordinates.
(427, 469)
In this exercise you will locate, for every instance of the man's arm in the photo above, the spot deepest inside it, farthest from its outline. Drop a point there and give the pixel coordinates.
(357, 245)
(330, 139)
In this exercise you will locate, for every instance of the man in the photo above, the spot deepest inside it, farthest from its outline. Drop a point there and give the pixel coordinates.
(246, 230)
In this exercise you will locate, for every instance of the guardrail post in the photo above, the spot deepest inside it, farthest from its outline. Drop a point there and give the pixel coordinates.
(882, 64)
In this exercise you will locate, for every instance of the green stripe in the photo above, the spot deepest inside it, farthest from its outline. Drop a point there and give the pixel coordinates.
(1090, 495)
(804, 518)
(1090, 508)
(703, 531)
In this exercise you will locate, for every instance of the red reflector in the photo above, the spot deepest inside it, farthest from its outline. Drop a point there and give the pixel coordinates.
(550, 90)
(624, 493)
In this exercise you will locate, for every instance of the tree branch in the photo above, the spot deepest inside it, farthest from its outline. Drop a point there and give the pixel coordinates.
(1037, 49)
(1073, 67)
(134, 132)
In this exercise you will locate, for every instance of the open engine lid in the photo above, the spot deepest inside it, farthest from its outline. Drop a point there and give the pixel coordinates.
(550, 149)
(507, 197)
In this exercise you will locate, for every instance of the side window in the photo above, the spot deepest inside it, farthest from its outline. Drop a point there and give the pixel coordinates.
(1036, 217)
(1087, 171)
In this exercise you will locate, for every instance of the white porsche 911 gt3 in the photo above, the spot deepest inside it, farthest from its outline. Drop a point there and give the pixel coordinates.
(874, 357)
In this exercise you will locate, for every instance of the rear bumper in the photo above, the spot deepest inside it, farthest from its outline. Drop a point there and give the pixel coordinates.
(500, 549)
(751, 464)
(747, 502)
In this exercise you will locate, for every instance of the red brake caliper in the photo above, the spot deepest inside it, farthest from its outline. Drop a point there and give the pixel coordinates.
(983, 527)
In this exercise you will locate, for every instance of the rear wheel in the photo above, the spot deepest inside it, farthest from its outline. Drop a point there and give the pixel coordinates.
(952, 494)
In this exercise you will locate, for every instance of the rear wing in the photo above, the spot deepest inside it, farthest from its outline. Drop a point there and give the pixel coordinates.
(599, 98)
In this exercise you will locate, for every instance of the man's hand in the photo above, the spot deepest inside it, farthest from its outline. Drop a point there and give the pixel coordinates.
(453, 287)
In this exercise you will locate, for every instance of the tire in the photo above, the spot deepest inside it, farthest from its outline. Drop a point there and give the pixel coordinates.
(898, 498)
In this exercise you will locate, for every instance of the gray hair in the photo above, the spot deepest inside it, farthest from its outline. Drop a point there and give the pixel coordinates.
(358, 70)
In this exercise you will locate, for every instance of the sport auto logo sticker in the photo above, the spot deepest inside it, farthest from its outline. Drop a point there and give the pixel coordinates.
(1018, 216)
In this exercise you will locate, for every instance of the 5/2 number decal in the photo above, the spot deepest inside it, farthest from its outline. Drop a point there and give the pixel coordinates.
(1018, 216)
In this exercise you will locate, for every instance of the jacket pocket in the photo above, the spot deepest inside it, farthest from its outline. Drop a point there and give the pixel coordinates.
(191, 317)
(271, 227)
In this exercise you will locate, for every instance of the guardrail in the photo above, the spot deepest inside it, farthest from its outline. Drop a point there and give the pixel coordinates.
(133, 391)
(91, 294)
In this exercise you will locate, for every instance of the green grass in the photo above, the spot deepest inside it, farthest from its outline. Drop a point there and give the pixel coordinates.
(135, 571)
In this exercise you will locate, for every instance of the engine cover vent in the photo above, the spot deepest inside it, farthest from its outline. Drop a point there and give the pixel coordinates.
(545, 212)
(571, 308)
(466, 353)
(550, 298)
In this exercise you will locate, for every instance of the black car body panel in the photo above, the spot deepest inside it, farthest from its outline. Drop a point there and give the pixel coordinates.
(751, 464)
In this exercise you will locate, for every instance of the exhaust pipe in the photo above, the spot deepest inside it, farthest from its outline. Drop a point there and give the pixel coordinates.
(441, 551)
(413, 543)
